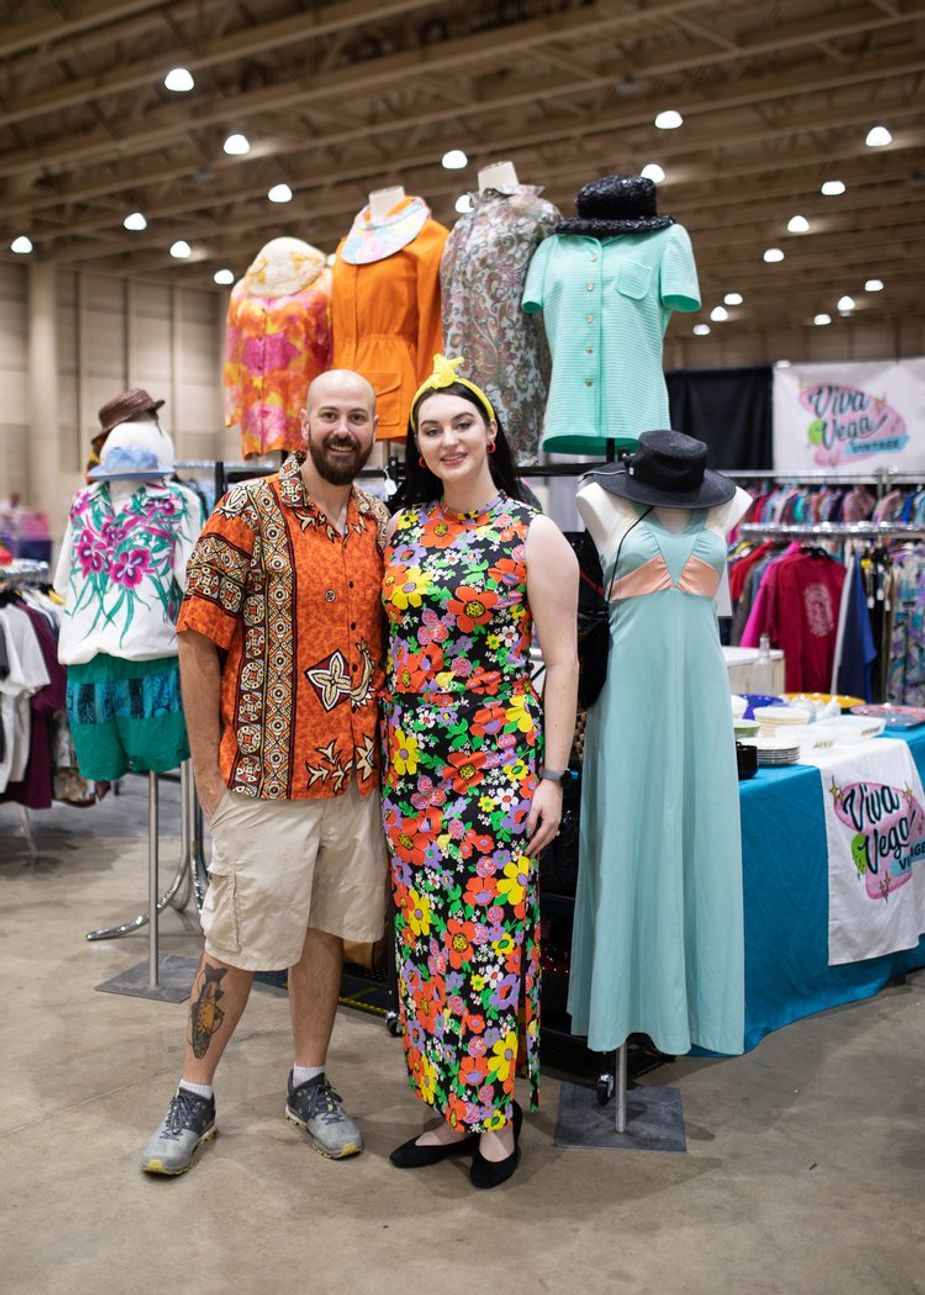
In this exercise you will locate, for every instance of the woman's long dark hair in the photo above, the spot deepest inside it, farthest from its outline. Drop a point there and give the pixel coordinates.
(421, 486)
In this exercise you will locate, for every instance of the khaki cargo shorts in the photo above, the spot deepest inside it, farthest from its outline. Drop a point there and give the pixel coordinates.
(281, 866)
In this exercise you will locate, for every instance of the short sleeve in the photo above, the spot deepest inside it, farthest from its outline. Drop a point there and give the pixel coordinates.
(217, 570)
(63, 569)
(535, 285)
(679, 289)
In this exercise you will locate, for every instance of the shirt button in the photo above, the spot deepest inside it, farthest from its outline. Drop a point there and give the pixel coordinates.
(329, 595)
(353, 625)
(589, 350)
(589, 319)
(594, 256)
(590, 287)
(350, 584)
(589, 382)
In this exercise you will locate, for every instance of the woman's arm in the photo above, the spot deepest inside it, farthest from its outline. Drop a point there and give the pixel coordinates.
(552, 591)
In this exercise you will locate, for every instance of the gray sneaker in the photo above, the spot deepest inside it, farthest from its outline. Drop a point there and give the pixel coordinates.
(316, 1108)
(190, 1121)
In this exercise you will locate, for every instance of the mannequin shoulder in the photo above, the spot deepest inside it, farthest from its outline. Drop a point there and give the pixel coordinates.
(606, 516)
(726, 516)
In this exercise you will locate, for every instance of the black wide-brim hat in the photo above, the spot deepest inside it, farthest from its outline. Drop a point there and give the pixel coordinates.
(667, 470)
(616, 204)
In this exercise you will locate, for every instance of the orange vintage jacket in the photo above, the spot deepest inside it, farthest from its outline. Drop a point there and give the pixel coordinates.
(386, 313)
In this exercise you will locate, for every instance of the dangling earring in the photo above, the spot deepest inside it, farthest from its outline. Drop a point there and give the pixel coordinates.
(421, 460)
(491, 448)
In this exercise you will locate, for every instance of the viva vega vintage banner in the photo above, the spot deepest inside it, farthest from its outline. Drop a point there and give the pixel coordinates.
(862, 417)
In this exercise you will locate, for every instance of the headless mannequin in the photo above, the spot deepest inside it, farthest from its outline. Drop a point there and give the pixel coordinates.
(381, 201)
(283, 267)
(500, 176)
(608, 517)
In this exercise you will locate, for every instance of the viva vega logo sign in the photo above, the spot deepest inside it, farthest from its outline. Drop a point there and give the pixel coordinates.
(849, 423)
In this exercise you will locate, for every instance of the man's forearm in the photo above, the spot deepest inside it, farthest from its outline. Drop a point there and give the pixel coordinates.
(200, 682)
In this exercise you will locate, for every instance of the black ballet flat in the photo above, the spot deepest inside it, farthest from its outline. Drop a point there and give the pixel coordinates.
(486, 1174)
(411, 1156)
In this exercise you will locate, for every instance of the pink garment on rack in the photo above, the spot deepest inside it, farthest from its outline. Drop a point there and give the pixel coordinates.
(757, 623)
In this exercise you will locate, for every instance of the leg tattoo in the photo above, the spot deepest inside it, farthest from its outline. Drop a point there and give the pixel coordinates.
(205, 1015)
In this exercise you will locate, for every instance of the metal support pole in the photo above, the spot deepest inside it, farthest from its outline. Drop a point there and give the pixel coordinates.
(153, 887)
(620, 1090)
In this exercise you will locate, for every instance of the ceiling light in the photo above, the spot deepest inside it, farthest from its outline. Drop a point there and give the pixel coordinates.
(873, 285)
(224, 277)
(822, 319)
(845, 304)
(719, 314)
(878, 137)
(280, 193)
(797, 225)
(463, 204)
(181, 249)
(700, 330)
(669, 120)
(832, 188)
(455, 160)
(733, 298)
(773, 254)
(135, 221)
(22, 245)
(179, 80)
(237, 145)
(652, 171)
(331, 258)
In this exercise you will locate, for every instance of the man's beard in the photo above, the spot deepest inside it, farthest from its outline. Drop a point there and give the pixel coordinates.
(337, 468)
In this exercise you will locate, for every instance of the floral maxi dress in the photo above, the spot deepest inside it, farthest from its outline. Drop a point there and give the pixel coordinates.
(462, 736)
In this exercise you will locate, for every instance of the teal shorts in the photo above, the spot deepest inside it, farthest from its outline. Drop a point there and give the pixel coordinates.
(126, 716)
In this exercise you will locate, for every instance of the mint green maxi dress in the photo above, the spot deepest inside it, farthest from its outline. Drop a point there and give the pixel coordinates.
(658, 944)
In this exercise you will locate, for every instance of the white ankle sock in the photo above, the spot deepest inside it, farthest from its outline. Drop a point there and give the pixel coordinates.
(302, 1074)
(201, 1090)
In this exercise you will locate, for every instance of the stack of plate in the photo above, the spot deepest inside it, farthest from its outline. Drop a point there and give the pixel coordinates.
(773, 751)
(775, 720)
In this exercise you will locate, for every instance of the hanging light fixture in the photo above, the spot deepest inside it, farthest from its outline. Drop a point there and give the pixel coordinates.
(237, 145)
(700, 330)
(797, 225)
(280, 193)
(669, 120)
(224, 277)
(22, 245)
(652, 171)
(833, 188)
(179, 80)
(878, 137)
(733, 298)
(135, 220)
(181, 249)
(773, 255)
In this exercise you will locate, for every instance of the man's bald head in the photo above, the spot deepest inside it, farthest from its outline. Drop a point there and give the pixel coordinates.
(338, 386)
(339, 424)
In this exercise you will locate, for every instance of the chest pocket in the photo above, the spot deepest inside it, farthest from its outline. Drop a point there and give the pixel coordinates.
(633, 279)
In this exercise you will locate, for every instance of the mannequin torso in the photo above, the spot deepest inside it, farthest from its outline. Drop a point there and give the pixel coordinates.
(608, 517)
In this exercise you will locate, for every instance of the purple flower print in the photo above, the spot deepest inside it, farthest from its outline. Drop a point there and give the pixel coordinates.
(461, 646)
(476, 1046)
(90, 553)
(402, 874)
(492, 1035)
(129, 568)
(486, 867)
(480, 934)
(505, 993)
(454, 982)
(456, 1005)
(429, 616)
(416, 1035)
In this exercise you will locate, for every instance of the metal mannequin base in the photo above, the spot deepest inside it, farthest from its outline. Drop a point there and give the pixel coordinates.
(654, 1119)
(172, 985)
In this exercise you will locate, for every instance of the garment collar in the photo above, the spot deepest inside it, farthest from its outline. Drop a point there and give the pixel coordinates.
(371, 240)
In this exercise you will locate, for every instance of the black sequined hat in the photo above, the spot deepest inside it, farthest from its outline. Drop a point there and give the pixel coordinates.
(616, 204)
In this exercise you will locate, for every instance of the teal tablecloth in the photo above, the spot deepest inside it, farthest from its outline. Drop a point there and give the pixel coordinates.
(785, 860)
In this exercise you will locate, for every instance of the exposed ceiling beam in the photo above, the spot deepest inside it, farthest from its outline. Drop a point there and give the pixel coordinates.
(83, 17)
(520, 37)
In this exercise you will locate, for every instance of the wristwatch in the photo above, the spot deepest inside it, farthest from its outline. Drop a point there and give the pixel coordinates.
(554, 775)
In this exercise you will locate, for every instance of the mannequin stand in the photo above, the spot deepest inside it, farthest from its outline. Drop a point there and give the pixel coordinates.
(642, 1118)
(166, 977)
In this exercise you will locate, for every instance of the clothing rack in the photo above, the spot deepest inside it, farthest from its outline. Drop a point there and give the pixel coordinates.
(832, 530)
(25, 571)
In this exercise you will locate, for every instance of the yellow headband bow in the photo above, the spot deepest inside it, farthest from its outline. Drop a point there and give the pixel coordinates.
(444, 375)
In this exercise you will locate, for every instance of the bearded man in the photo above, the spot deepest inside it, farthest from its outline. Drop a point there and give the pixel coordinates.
(281, 662)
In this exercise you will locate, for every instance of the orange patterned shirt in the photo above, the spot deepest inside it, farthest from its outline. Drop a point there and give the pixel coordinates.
(295, 606)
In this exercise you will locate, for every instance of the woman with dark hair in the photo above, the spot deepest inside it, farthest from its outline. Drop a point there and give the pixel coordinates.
(473, 767)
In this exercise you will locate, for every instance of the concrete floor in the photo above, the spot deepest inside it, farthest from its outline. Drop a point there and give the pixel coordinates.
(804, 1175)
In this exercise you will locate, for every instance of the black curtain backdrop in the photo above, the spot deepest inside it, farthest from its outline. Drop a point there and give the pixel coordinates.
(730, 409)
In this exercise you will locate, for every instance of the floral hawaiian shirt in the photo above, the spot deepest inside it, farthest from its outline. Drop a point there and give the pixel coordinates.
(122, 571)
(295, 605)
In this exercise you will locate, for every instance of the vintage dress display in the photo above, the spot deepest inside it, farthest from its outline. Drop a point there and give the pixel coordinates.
(658, 942)
(482, 279)
(462, 738)
(121, 573)
(277, 340)
(607, 289)
(386, 305)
